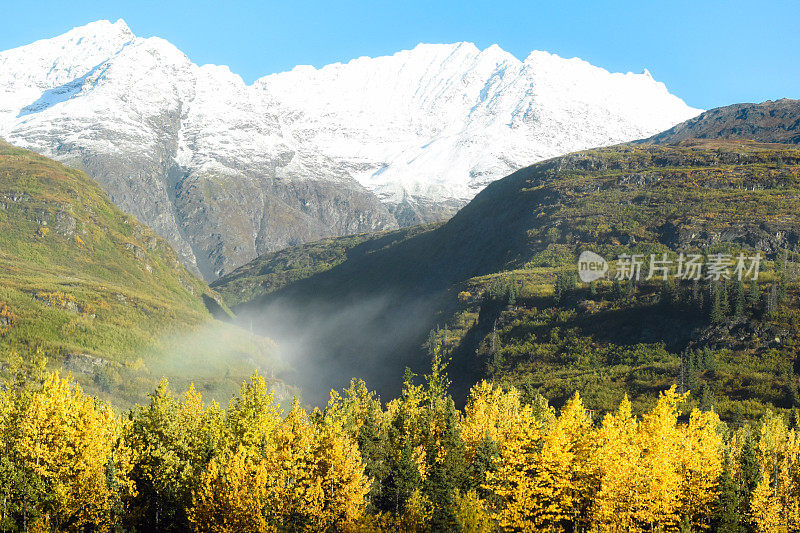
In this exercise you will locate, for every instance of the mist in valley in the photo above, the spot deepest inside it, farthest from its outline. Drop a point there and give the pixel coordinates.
(322, 345)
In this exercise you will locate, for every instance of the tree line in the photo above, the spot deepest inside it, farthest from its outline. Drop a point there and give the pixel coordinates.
(416, 463)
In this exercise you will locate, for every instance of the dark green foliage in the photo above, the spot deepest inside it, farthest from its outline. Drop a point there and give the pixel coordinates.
(738, 298)
(707, 400)
(565, 282)
(25, 496)
(719, 303)
(374, 448)
(728, 517)
(447, 470)
(484, 461)
(754, 296)
(749, 474)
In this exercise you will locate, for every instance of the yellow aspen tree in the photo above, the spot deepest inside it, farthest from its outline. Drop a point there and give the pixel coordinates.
(494, 413)
(472, 513)
(295, 496)
(775, 499)
(231, 499)
(512, 482)
(417, 514)
(544, 473)
(659, 439)
(616, 473)
(341, 472)
(351, 409)
(172, 439)
(253, 416)
(69, 440)
(701, 455)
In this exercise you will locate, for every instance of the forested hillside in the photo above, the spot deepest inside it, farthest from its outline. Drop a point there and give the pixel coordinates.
(485, 283)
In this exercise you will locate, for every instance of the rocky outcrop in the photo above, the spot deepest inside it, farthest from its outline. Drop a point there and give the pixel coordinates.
(767, 122)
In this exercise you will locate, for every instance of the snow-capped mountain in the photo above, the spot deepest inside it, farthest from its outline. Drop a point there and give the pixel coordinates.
(227, 171)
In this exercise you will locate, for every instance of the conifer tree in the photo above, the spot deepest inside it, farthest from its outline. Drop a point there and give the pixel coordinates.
(739, 299)
(727, 517)
(755, 293)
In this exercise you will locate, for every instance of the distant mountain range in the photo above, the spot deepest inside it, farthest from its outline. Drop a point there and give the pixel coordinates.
(227, 171)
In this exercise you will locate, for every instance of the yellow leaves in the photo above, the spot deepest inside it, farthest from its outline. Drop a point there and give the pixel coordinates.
(542, 474)
(472, 513)
(776, 499)
(283, 473)
(342, 475)
(252, 415)
(69, 440)
(626, 475)
(417, 513)
(232, 500)
(495, 413)
(659, 441)
(57, 298)
(701, 454)
(616, 472)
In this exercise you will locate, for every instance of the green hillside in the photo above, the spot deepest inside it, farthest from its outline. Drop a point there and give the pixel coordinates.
(86, 287)
(451, 285)
(274, 271)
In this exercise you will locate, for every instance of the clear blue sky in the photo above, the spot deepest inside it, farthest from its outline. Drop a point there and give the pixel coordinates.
(709, 52)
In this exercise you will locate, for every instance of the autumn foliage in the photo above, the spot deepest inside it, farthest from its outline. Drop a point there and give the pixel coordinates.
(68, 463)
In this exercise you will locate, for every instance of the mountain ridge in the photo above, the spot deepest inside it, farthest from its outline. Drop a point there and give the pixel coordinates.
(771, 122)
(228, 171)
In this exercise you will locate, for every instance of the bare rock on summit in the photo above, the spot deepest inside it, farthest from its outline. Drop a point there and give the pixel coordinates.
(768, 122)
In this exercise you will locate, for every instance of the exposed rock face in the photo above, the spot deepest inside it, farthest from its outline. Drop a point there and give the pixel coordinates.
(228, 171)
(767, 122)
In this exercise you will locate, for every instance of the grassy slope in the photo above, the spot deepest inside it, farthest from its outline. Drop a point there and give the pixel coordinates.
(89, 288)
(529, 226)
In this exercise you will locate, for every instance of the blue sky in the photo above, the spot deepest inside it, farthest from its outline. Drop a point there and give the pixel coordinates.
(708, 52)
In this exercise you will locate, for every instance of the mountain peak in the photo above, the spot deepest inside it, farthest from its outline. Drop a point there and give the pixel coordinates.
(233, 170)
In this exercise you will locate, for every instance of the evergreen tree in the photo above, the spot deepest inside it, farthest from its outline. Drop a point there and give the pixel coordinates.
(511, 294)
(709, 359)
(447, 470)
(718, 304)
(668, 293)
(373, 445)
(738, 298)
(791, 392)
(484, 460)
(26, 497)
(707, 400)
(616, 289)
(750, 474)
(565, 282)
(728, 518)
(755, 293)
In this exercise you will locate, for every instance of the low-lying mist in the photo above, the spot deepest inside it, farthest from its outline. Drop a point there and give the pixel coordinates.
(323, 344)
